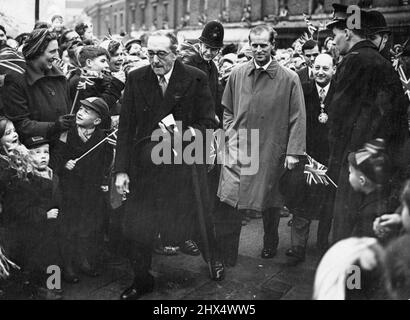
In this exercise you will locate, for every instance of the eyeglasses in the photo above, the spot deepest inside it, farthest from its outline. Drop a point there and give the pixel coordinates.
(262, 45)
(308, 55)
(161, 54)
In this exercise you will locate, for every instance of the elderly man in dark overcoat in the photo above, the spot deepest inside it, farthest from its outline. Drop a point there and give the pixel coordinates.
(159, 193)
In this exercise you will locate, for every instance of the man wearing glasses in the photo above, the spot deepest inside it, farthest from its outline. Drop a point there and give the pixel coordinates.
(310, 51)
(263, 96)
(159, 194)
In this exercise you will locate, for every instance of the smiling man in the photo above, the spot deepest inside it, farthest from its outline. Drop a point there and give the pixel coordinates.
(37, 101)
(159, 195)
(314, 201)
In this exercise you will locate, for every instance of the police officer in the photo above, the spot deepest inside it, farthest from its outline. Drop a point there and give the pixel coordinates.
(378, 32)
(210, 44)
(368, 103)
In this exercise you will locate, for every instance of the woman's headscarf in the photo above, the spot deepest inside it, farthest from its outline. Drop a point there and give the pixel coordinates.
(35, 43)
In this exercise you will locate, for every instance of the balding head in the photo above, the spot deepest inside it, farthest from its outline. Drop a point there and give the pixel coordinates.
(323, 69)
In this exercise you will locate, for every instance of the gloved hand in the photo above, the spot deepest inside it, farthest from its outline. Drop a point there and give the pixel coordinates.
(65, 122)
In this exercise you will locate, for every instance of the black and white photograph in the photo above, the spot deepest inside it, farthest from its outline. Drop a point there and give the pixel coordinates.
(204, 156)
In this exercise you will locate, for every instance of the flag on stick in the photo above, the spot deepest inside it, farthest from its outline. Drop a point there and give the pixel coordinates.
(317, 173)
(97, 145)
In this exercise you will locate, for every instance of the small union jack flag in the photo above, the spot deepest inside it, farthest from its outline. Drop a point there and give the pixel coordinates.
(316, 173)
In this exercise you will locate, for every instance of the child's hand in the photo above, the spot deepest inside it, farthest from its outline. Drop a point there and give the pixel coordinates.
(70, 165)
(104, 188)
(52, 214)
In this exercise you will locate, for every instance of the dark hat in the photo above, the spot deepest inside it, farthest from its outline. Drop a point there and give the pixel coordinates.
(34, 142)
(98, 105)
(293, 186)
(375, 23)
(213, 34)
(339, 15)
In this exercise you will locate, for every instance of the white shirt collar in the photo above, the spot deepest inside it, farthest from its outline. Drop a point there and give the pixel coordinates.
(326, 88)
(167, 76)
(265, 66)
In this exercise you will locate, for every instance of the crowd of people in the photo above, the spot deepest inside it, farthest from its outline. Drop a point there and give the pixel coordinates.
(79, 187)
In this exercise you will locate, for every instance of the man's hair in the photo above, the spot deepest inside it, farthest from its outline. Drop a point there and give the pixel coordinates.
(3, 29)
(264, 28)
(113, 47)
(309, 45)
(91, 52)
(80, 28)
(63, 39)
(172, 38)
(56, 16)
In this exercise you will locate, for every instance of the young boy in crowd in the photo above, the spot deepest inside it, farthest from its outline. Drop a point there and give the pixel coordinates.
(93, 79)
(370, 172)
(32, 219)
(83, 181)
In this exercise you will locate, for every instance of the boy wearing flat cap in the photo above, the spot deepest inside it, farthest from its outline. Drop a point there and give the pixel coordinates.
(82, 183)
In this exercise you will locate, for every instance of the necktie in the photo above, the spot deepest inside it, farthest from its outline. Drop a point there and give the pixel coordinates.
(163, 84)
(322, 95)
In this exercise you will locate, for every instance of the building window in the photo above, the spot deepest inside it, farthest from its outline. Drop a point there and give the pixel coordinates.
(115, 23)
(121, 20)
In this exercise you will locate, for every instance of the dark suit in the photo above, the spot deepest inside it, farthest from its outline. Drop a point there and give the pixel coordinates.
(159, 192)
(304, 75)
(318, 199)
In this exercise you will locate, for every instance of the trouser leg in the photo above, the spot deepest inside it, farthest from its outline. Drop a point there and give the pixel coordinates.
(271, 219)
(300, 233)
(227, 230)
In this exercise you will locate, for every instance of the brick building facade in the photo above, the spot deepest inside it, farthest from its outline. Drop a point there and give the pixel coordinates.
(127, 16)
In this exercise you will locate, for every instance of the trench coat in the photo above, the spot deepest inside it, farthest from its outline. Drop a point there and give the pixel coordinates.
(160, 193)
(34, 101)
(368, 103)
(273, 105)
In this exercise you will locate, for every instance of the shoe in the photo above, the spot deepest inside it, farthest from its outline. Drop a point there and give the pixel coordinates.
(298, 255)
(189, 247)
(218, 271)
(268, 253)
(70, 277)
(138, 289)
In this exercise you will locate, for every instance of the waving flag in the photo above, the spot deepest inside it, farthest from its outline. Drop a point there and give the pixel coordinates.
(312, 29)
(317, 173)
